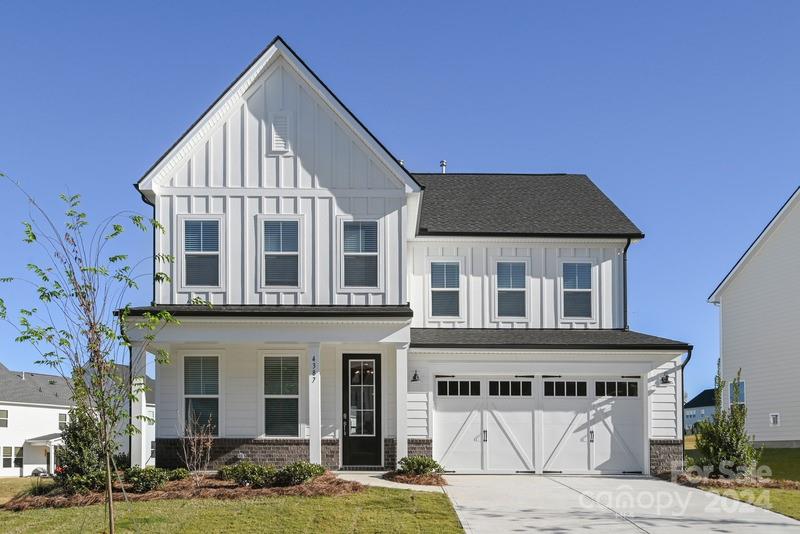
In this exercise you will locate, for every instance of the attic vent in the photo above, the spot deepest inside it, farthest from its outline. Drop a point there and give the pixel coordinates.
(281, 131)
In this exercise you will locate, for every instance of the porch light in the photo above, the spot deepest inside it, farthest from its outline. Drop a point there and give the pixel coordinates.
(665, 379)
(415, 377)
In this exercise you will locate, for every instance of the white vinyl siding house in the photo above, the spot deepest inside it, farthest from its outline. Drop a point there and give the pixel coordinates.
(758, 318)
(335, 267)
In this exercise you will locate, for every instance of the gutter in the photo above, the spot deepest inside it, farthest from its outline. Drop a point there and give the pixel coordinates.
(683, 366)
(626, 326)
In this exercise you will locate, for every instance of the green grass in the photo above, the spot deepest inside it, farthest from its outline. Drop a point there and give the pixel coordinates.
(373, 510)
(784, 463)
(786, 502)
(13, 486)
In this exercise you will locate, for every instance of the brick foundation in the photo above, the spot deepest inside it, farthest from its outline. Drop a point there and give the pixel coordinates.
(665, 455)
(389, 453)
(420, 447)
(224, 451)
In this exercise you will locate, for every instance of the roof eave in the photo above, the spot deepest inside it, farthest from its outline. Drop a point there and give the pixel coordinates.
(555, 235)
(560, 346)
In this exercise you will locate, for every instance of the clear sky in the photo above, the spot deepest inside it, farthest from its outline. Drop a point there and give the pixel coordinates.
(684, 113)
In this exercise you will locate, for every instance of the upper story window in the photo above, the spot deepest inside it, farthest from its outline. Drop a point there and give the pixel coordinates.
(201, 253)
(360, 253)
(201, 392)
(62, 421)
(281, 395)
(281, 253)
(3, 418)
(510, 289)
(577, 290)
(445, 294)
(732, 393)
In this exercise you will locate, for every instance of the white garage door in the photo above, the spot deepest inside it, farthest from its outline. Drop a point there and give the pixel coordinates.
(589, 424)
(484, 424)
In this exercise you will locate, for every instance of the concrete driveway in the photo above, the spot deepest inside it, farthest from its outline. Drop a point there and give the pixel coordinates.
(561, 504)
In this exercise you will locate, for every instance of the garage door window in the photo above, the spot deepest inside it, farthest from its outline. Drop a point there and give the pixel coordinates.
(564, 388)
(510, 388)
(616, 389)
(458, 388)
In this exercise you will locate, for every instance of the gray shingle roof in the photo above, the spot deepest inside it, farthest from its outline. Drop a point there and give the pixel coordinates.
(35, 388)
(535, 205)
(702, 399)
(540, 338)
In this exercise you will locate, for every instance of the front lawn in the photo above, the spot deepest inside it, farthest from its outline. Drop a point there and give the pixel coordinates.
(784, 463)
(12, 486)
(372, 510)
(786, 502)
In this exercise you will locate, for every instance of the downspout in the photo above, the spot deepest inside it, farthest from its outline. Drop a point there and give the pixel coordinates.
(625, 285)
(683, 366)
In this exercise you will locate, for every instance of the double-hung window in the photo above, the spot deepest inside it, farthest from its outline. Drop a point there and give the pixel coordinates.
(732, 392)
(510, 289)
(281, 395)
(3, 418)
(360, 253)
(62, 421)
(201, 392)
(281, 253)
(201, 253)
(445, 289)
(577, 290)
(8, 456)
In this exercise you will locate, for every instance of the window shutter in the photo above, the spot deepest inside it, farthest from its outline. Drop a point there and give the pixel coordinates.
(280, 132)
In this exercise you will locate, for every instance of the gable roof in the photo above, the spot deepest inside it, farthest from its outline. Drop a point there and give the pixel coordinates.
(33, 388)
(199, 128)
(765, 233)
(524, 205)
(702, 399)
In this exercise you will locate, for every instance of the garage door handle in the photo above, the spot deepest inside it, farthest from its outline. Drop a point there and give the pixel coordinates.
(485, 435)
(591, 436)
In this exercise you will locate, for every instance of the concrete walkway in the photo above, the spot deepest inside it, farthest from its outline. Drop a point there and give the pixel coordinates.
(516, 503)
(375, 478)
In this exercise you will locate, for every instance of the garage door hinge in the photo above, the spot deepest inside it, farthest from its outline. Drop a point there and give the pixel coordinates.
(631, 376)
(551, 472)
(445, 376)
(524, 376)
(526, 472)
(551, 376)
(631, 472)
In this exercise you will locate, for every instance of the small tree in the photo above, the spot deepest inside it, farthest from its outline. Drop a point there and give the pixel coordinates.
(722, 442)
(198, 437)
(78, 327)
(80, 461)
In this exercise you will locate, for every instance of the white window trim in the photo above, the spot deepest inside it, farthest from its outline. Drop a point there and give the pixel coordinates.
(743, 390)
(561, 290)
(182, 354)
(589, 383)
(181, 262)
(301, 254)
(340, 286)
(496, 317)
(6, 418)
(778, 417)
(66, 420)
(462, 294)
(301, 391)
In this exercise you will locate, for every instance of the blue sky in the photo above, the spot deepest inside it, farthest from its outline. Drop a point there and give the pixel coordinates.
(684, 113)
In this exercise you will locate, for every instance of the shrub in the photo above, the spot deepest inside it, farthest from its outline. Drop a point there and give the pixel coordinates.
(178, 474)
(297, 473)
(247, 473)
(122, 460)
(419, 465)
(723, 446)
(146, 479)
(80, 462)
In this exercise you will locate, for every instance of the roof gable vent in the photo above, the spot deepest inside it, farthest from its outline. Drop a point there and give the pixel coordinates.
(281, 132)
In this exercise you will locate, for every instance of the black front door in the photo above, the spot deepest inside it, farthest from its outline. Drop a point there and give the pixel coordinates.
(361, 410)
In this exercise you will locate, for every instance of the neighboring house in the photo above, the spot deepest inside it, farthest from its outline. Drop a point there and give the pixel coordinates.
(758, 320)
(700, 408)
(362, 313)
(34, 408)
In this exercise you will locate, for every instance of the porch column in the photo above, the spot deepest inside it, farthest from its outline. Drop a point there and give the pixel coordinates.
(401, 376)
(51, 461)
(139, 450)
(314, 404)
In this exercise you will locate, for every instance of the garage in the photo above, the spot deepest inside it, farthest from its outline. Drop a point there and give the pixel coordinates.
(585, 424)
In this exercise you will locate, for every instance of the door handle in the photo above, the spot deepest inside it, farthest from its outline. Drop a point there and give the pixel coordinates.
(344, 424)
(485, 435)
(591, 436)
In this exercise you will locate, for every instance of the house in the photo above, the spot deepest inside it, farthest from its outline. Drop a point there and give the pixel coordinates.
(700, 408)
(34, 408)
(362, 313)
(758, 318)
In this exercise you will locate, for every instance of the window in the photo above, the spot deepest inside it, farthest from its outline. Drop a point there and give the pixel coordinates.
(458, 388)
(3, 418)
(617, 389)
(510, 289)
(774, 419)
(361, 392)
(577, 289)
(564, 388)
(740, 400)
(18, 457)
(281, 395)
(281, 253)
(8, 455)
(702, 411)
(201, 253)
(152, 449)
(510, 388)
(201, 391)
(360, 253)
(62, 421)
(445, 289)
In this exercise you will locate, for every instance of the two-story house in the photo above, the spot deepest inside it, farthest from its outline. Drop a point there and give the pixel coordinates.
(700, 408)
(361, 313)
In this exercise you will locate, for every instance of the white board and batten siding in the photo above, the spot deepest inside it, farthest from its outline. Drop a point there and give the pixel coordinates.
(325, 175)
(543, 261)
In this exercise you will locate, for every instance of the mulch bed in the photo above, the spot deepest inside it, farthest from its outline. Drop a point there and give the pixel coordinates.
(420, 480)
(327, 485)
(735, 483)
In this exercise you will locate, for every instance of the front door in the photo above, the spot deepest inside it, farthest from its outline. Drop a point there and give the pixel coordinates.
(361, 410)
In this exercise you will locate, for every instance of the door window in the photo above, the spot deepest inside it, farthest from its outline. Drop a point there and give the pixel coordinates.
(362, 398)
